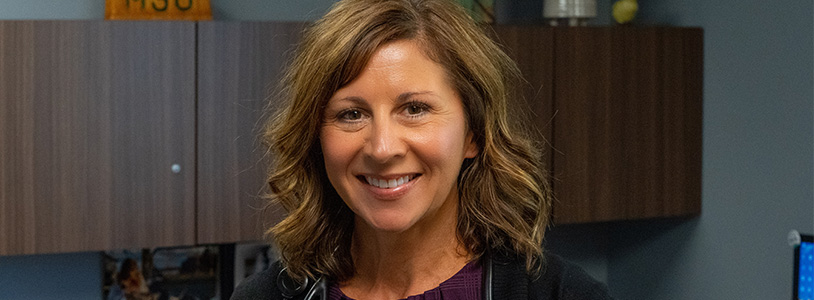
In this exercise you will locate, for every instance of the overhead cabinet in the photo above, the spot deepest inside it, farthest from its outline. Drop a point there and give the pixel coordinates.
(240, 65)
(97, 130)
(627, 131)
(619, 110)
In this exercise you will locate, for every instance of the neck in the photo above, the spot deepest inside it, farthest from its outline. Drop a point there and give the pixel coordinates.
(395, 265)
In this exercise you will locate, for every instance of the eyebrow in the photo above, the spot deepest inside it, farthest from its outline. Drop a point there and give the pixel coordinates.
(406, 96)
(403, 97)
(355, 99)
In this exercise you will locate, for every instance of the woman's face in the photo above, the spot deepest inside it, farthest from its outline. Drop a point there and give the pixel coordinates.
(394, 140)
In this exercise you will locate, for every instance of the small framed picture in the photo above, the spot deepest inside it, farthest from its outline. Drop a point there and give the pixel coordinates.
(168, 273)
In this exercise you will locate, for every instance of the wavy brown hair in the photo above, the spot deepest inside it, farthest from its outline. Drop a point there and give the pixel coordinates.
(504, 197)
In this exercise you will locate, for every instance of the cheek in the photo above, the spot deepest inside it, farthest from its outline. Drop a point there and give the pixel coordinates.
(337, 152)
(443, 146)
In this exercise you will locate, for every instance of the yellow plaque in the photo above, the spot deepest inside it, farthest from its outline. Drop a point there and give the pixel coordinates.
(158, 10)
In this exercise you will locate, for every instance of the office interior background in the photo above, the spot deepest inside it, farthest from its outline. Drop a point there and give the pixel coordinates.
(758, 157)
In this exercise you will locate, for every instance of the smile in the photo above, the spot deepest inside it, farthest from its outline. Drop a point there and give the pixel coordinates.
(388, 183)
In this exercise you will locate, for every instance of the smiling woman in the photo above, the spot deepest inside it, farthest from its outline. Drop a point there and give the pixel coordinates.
(393, 141)
(394, 157)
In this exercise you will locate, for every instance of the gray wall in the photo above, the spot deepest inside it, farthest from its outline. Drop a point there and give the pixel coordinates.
(45, 277)
(57, 10)
(757, 160)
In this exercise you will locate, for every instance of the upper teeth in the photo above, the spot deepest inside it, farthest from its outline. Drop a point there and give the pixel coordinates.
(387, 184)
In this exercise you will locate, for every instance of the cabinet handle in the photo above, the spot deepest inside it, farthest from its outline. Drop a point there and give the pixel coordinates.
(176, 168)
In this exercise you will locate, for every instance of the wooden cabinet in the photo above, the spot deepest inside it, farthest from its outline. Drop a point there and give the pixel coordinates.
(627, 131)
(619, 110)
(240, 64)
(92, 117)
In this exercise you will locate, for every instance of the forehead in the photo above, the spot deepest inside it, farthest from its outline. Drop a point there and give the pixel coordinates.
(413, 50)
(361, 54)
(399, 53)
(401, 65)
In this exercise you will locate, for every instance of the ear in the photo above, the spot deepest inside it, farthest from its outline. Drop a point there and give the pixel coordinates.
(470, 147)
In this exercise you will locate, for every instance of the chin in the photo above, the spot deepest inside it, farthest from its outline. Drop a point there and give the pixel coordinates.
(393, 224)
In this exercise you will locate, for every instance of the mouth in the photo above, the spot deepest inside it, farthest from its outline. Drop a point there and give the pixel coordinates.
(388, 183)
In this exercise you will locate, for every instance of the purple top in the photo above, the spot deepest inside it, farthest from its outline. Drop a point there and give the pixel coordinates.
(464, 285)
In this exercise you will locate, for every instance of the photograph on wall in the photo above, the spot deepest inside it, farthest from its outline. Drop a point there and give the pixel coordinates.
(182, 273)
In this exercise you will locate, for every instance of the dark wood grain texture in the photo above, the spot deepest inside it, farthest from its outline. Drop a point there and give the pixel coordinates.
(239, 68)
(628, 125)
(92, 116)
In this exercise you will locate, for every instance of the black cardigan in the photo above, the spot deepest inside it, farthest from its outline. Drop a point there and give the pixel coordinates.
(559, 280)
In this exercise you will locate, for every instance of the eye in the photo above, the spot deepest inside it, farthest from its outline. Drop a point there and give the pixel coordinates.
(350, 115)
(415, 109)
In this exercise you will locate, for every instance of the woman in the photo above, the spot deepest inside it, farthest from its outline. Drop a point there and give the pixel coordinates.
(400, 172)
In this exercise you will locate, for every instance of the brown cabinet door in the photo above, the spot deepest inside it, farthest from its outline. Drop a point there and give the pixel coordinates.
(240, 64)
(627, 131)
(93, 115)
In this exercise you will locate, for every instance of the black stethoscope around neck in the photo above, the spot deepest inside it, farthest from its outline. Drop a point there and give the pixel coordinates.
(318, 289)
(290, 288)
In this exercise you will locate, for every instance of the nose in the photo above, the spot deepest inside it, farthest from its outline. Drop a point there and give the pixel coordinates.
(385, 142)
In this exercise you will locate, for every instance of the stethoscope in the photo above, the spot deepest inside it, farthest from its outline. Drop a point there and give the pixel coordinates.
(290, 288)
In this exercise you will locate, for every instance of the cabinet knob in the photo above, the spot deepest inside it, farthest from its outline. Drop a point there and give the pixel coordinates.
(176, 168)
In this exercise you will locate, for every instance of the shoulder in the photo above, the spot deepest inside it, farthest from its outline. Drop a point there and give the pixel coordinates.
(560, 279)
(261, 286)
